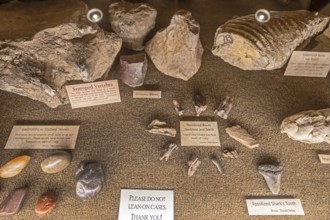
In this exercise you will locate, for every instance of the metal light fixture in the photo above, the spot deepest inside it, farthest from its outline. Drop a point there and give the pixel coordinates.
(94, 15)
(262, 16)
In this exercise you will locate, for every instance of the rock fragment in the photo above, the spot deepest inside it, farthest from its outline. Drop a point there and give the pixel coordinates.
(157, 127)
(241, 135)
(178, 107)
(56, 162)
(218, 165)
(45, 204)
(224, 108)
(272, 175)
(132, 22)
(89, 178)
(13, 203)
(14, 166)
(176, 50)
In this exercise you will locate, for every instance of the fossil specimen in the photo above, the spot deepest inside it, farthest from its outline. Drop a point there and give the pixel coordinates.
(157, 127)
(14, 201)
(132, 22)
(308, 126)
(133, 69)
(176, 50)
(200, 104)
(14, 166)
(241, 135)
(272, 175)
(178, 107)
(230, 153)
(224, 108)
(218, 165)
(193, 165)
(171, 148)
(245, 43)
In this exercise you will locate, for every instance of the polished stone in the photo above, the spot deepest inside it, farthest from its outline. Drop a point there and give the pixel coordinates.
(14, 166)
(45, 204)
(56, 162)
(13, 203)
(90, 178)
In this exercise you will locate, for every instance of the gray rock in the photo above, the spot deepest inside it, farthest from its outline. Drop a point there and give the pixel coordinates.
(132, 22)
(272, 175)
(13, 203)
(56, 162)
(89, 178)
(246, 44)
(133, 69)
(41, 67)
(309, 127)
(176, 50)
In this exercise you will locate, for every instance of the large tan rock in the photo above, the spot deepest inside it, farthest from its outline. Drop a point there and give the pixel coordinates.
(176, 50)
(41, 67)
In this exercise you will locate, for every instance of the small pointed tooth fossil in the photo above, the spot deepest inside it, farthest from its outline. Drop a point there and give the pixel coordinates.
(200, 104)
(157, 127)
(178, 107)
(193, 165)
(218, 165)
(224, 108)
(171, 148)
(272, 175)
(230, 153)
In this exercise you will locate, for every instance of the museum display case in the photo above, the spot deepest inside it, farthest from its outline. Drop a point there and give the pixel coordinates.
(164, 109)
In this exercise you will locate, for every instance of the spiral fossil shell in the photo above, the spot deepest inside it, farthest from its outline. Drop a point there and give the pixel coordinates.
(245, 43)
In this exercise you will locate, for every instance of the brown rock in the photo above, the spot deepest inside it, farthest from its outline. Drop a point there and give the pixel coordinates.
(13, 203)
(14, 166)
(45, 204)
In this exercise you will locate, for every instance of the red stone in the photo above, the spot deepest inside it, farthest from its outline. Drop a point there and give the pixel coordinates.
(45, 204)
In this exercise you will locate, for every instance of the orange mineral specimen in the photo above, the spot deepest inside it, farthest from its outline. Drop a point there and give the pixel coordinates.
(45, 204)
(14, 166)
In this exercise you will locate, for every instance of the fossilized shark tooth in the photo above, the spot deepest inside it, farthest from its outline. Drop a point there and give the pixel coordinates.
(241, 135)
(200, 104)
(272, 174)
(218, 164)
(230, 153)
(246, 44)
(193, 165)
(224, 108)
(14, 166)
(154, 127)
(170, 149)
(178, 107)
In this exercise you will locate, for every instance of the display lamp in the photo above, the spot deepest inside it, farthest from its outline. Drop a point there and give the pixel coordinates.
(94, 15)
(262, 16)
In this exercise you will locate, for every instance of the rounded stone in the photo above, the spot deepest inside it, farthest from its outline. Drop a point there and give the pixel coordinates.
(14, 166)
(56, 162)
(45, 204)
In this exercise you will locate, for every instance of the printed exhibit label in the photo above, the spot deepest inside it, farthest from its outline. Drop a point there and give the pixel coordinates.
(145, 94)
(138, 204)
(274, 207)
(324, 158)
(92, 94)
(199, 133)
(309, 64)
(43, 137)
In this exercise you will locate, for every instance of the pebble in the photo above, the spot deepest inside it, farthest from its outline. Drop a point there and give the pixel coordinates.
(14, 166)
(45, 204)
(13, 203)
(89, 178)
(56, 162)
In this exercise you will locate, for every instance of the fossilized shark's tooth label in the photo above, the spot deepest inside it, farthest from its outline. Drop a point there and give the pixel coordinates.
(274, 207)
(147, 94)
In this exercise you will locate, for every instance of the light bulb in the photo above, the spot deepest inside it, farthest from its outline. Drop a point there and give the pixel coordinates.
(262, 16)
(94, 15)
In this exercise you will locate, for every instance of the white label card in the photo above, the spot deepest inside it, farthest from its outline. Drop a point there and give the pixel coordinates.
(274, 207)
(199, 133)
(42, 137)
(145, 94)
(146, 205)
(324, 158)
(91, 94)
(308, 64)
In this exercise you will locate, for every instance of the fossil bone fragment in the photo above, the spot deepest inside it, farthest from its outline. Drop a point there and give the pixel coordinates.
(177, 50)
(170, 149)
(132, 22)
(308, 126)
(200, 104)
(218, 165)
(193, 165)
(224, 108)
(178, 107)
(246, 44)
(272, 175)
(230, 153)
(157, 127)
(241, 135)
